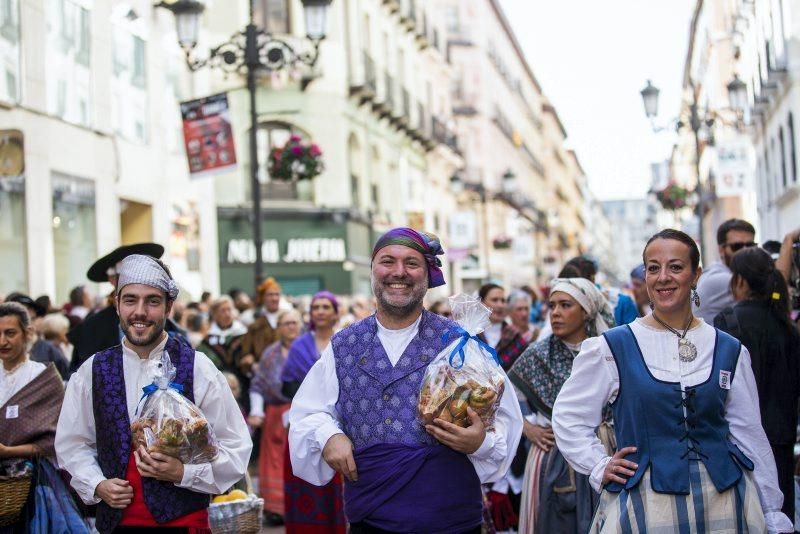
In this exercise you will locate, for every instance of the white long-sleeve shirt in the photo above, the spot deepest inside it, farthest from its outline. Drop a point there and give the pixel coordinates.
(313, 418)
(595, 381)
(76, 432)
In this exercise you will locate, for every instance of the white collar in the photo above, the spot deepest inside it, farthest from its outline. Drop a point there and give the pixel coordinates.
(399, 331)
(155, 353)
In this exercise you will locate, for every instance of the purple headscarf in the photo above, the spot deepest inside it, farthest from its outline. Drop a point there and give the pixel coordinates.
(323, 295)
(425, 243)
(303, 352)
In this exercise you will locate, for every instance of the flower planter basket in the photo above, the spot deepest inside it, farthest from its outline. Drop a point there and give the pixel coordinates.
(295, 161)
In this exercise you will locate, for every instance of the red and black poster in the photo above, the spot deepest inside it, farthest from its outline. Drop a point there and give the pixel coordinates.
(208, 135)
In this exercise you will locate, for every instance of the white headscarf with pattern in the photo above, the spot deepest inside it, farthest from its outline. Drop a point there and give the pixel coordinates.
(600, 316)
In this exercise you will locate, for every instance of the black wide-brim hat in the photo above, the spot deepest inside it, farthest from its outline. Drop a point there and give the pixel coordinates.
(98, 271)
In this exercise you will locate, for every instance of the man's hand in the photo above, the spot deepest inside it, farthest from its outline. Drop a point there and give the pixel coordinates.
(255, 420)
(158, 466)
(338, 453)
(540, 436)
(466, 440)
(115, 492)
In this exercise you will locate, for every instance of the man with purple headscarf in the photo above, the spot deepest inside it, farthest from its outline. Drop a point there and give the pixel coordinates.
(355, 413)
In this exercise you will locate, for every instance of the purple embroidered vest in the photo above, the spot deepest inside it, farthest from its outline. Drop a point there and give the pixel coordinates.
(164, 500)
(378, 402)
(407, 481)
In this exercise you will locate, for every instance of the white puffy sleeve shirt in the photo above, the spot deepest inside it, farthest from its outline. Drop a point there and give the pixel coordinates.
(313, 418)
(595, 381)
(76, 433)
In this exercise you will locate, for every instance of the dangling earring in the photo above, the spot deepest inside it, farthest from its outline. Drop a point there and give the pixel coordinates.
(652, 307)
(695, 297)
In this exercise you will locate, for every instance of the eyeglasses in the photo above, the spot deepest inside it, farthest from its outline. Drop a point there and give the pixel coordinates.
(736, 247)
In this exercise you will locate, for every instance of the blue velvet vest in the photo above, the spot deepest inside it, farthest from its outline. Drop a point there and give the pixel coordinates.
(164, 500)
(649, 414)
(377, 401)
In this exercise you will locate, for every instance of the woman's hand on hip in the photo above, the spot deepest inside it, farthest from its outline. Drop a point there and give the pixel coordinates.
(618, 469)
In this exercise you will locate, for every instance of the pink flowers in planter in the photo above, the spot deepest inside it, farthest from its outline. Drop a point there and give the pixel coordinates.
(295, 161)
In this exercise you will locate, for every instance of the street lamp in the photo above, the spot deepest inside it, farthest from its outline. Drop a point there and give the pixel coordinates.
(509, 181)
(737, 94)
(248, 52)
(650, 99)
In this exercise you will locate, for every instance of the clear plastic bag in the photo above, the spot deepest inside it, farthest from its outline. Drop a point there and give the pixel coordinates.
(464, 375)
(169, 423)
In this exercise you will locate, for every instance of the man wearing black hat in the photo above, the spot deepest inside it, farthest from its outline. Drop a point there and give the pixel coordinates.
(100, 330)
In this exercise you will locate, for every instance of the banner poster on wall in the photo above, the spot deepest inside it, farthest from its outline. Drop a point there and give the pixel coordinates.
(208, 135)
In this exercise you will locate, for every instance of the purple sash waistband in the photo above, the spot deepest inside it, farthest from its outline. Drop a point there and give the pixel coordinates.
(405, 488)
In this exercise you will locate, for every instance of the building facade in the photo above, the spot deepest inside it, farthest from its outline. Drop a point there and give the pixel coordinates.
(523, 191)
(377, 104)
(770, 65)
(727, 163)
(634, 222)
(91, 154)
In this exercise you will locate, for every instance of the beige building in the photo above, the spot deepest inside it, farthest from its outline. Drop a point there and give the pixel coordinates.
(91, 154)
(378, 106)
(523, 199)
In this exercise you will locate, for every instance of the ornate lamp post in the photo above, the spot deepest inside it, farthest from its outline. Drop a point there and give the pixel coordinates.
(737, 94)
(248, 52)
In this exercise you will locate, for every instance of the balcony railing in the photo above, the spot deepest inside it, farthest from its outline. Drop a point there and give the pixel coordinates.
(370, 79)
(366, 87)
(406, 107)
(389, 89)
(442, 134)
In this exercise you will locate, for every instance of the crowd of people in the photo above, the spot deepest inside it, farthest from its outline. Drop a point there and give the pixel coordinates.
(611, 420)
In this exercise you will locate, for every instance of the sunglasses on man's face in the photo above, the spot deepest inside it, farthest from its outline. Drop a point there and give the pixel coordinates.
(736, 247)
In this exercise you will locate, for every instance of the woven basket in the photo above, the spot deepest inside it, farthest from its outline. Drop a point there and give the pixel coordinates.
(237, 517)
(13, 495)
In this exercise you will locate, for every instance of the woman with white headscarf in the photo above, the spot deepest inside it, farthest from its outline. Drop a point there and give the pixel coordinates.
(554, 497)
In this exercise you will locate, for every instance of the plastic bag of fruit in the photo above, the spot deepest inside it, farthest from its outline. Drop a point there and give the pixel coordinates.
(466, 374)
(169, 423)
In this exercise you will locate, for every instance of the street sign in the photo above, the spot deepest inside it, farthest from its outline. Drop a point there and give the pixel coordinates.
(208, 135)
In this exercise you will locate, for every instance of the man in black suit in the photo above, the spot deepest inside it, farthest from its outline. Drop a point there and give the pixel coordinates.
(101, 330)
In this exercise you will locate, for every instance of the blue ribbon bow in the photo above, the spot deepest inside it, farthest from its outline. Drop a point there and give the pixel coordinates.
(152, 388)
(459, 349)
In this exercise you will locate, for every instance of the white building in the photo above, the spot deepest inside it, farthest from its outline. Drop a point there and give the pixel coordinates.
(91, 153)
(770, 65)
(634, 223)
(727, 163)
(507, 128)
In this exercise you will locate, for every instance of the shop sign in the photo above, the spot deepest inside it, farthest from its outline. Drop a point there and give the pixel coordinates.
(208, 135)
(299, 250)
(734, 168)
(463, 230)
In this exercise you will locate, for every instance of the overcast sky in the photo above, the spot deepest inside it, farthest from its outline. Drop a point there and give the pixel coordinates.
(592, 58)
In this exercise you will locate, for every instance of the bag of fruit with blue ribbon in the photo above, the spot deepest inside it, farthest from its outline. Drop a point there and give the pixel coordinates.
(466, 374)
(169, 423)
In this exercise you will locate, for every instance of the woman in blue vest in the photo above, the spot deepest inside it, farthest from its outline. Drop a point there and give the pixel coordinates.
(692, 454)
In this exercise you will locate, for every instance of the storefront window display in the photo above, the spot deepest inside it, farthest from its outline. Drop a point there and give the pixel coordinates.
(12, 234)
(74, 231)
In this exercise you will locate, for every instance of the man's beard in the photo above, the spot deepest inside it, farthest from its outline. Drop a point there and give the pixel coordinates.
(399, 309)
(158, 330)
